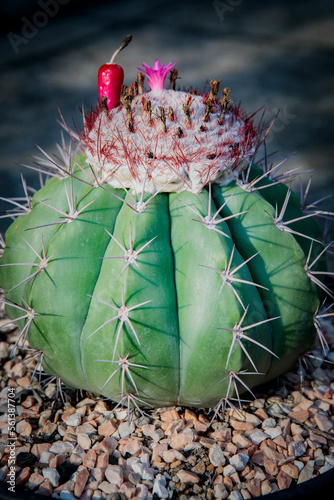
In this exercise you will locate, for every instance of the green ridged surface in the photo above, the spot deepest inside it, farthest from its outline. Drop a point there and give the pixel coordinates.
(159, 327)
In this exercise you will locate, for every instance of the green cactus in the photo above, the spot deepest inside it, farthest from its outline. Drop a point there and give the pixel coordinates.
(160, 266)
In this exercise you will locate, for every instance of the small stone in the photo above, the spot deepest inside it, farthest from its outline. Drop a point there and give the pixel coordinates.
(253, 419)
(241, 441)
(129, 445)
(108, 488)
(265, 487)
(271, 453)
(170, 455)
(169, 415)
(67, 413)
(216, 455)
(142, 492)
(45, 488)
(202, 424)
(228, 470)
(23, 476)
(220, 491)
(128, 489)
(52, 475)
(268, 422)
(239, 461)
(222, 434)
(254, 487)
(241, 425)
(159, 487)
(86, 428)
(89, 460)
(114, 474)
(158, 451)
(98, 474)
(37, 449)
(270, 466)
(283, 480)
(125, 429)
(23, 428)
(300, 415)
(307, 472)
(143, 471)
(199, 468)
(179, 441)
(273, 432)
(61, 447)
(258, 457)
(257, 436)
(74, 420)
(102, 460)
(235, 495)
(84, 441)
(323, 422)
(80, 482)
(46, 457)
(134, 478)
(297, 448)
(291, 470)
(34, 481)
(107, 428)
(187, 477)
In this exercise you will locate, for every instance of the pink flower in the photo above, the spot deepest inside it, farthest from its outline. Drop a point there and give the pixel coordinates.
(156, 76)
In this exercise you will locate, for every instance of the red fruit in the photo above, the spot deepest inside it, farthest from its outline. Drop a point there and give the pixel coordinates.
(110, 81)
(110, 78)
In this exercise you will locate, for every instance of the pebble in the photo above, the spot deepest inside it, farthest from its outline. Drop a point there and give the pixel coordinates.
(257, 436)
(273, 432)
(61, 447)
(307, 472)
(239, 461)
(23, 476)
(84, 441)
(80, 481)
(220, 491)
(159, 487)
(52, 475)
(216, 455)
(108, 488)
(187, 477)
(125, 429)
(296, 448)
(107, 428)
(323, 422)
(229, 470)
(114, 474)
(34, 481)
(45, 488)
(180, 440)
(268, 423)
(235, 495)
(267, 448)
(74, 420)
(143, 470)
(170, 455)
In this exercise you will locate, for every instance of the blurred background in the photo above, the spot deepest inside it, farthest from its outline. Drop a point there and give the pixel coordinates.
(275, 55)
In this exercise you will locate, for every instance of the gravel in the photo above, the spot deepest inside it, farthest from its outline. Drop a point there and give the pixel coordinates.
(82, 448)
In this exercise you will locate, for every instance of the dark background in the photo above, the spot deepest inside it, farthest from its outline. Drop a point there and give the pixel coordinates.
(273, 54)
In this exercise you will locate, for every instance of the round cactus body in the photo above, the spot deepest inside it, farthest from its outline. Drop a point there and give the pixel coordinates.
(162, 266)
